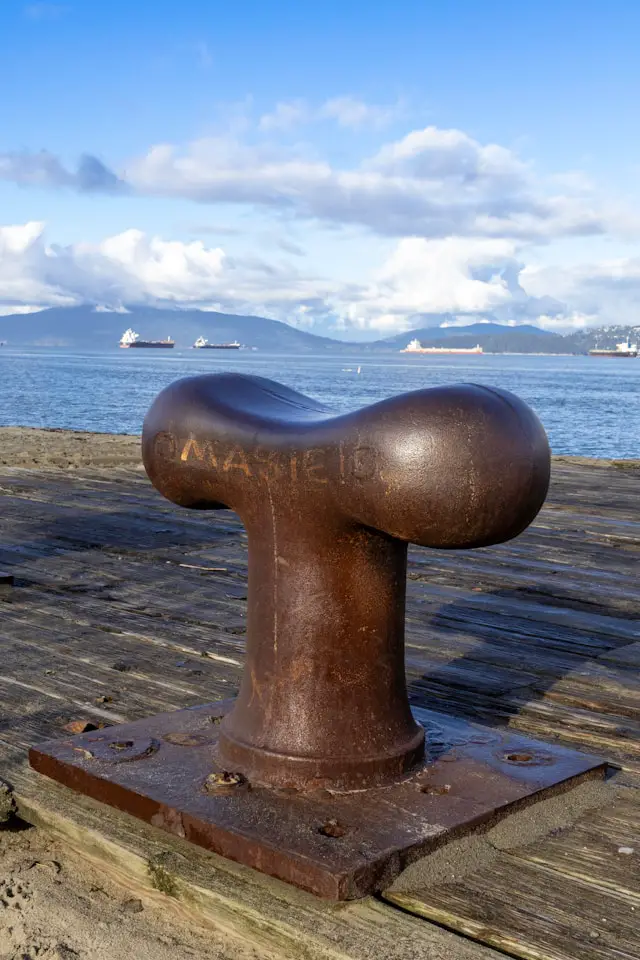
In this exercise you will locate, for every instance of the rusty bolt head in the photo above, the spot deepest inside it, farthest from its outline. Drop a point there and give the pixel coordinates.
(224, 783)
(333, 829)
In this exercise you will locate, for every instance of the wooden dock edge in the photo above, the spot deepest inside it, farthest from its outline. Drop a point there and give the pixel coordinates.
(202, 888)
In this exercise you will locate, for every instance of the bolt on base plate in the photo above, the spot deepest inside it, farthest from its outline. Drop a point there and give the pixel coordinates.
(342, 846)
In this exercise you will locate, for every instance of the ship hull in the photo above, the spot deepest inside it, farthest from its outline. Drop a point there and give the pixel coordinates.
(444, 353)
(149, 344)
(613, 353)
(218, 346)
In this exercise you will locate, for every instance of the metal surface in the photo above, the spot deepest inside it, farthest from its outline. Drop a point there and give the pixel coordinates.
(337, 845)
(330, 503)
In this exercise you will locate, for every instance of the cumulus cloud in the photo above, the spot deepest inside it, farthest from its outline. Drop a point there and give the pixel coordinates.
(46, 170)
(11, 309)
(434, 277)
(289, 246)
(450, 155)
(219, 229)
(24, 281)
(430, 183)
(465, 216)
(607, 291)
(346, 111)
(422, 282)
(285, 115)
(133, 268)
(564, 322)
(454, 275)
(354, 113)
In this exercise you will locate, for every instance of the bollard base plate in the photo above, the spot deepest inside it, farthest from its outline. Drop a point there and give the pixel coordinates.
(341, 846)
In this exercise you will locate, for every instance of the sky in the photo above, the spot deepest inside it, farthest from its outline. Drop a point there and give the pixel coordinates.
(356, 169)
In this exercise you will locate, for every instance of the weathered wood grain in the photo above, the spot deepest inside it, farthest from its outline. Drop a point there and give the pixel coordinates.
(202, 888)
(125, 605)
(574, 895)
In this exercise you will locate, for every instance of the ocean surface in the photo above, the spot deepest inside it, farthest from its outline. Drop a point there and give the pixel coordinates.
(589, 406)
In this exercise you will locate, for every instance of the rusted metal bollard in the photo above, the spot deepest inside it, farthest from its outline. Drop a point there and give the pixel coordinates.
(330, 503)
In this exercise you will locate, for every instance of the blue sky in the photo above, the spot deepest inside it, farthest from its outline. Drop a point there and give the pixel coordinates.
(346, 166)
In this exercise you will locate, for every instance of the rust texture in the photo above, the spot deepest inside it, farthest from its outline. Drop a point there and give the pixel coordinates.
(330, 503)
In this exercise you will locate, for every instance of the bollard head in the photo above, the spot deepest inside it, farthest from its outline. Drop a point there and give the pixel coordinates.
(460, 466)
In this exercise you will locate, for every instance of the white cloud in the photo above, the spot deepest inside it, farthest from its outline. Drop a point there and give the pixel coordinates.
(43, 169)
(450, 155)
(421, 282)
(434, 277)
(465, 217)
(7, 309)
(346, 111)
(285, 115)
(132, 268)
(431, 183)
(351, 112)
(563, 322)
(608, 290)
(24, 279)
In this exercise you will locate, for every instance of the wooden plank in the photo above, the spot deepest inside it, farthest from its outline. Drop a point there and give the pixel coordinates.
(199, 887)
(521, 911)
(627, 656)
(585, 696)
(590, 852)
(6, 583)
(155, 661)
(512, 613)
(573, 896)
(615, 738)
(539, 635)
(599, 687)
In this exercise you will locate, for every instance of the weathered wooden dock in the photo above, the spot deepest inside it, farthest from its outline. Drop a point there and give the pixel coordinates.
(124, 606)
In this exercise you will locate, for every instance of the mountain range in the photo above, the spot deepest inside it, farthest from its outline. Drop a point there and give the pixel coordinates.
(86, 328)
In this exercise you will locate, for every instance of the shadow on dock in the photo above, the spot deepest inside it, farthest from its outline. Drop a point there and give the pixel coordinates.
(513, 648)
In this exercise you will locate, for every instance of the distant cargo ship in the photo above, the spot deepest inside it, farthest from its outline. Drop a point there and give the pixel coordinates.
(624, 349)
(414, 346)
(132, 339)
(202, 344)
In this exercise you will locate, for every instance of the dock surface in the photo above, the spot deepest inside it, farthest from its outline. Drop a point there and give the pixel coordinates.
(124, 605)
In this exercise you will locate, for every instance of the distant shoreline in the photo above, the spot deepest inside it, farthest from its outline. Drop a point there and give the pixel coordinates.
(43, 448)
(350, 349)
(363, 350)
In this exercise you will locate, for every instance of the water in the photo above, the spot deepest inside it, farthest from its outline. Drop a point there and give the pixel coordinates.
(589, 406)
